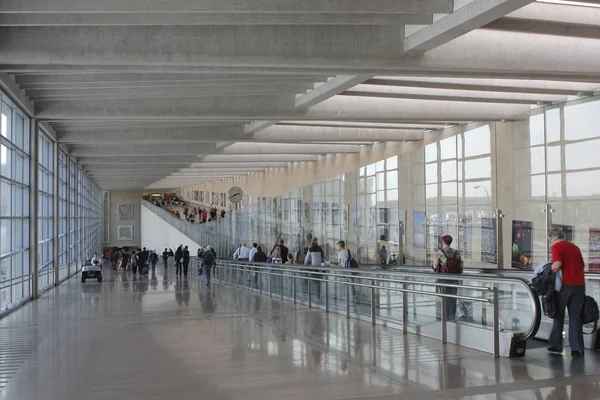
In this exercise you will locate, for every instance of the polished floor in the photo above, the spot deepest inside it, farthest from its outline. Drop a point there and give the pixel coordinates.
(163, 337)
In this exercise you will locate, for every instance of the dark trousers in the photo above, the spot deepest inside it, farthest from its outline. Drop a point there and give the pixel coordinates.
(177, 267)
(450, 303)
(185, 267)
(134, 268)
(166, 263)
(571, 298)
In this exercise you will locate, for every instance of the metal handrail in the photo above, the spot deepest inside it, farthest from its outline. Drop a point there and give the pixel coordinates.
(285, 270)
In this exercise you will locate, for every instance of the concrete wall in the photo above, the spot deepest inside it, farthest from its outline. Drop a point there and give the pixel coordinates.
(118, 197)
(158, 234)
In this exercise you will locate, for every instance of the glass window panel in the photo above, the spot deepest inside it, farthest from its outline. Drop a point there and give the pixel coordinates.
(5, 121)
(553, 158)
(6, 161)
(578, 183)
(582, 120)
(448, 170)
(536, 160)
(582, 155)
(5, 199)
(392, 163)
(431, 152)
(380, 166)
(555, 186)
(448, 148)
(380, 180)
(431, 191)
(371, 170)
(431, 173)
(392, 180)
(478, 168)
(536, 130)
(478, 189)
(5, 234)
(450, 193)
(477, 141)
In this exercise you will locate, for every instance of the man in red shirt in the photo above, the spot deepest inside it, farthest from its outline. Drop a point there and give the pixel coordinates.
(567, 257)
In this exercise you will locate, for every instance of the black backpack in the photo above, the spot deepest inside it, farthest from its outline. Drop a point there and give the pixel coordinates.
(590, 313)
(351, 262)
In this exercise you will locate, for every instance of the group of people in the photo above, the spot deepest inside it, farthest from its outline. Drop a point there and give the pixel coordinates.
(566, 269)
(191, 214)
(206, 260)
(135, 260)
(279, 254)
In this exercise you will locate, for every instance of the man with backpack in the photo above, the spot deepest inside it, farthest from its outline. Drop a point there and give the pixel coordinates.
(567, 258)
(448, 261)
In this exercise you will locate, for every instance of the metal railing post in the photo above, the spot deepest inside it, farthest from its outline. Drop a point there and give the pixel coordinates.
(444, 321)
(326, 294)
(294, 287)
(373, 309)
(260, 276)
(347, 301)
(496, 306)
(281, 284)
(270, 287)
(404, 309)
(309, 291)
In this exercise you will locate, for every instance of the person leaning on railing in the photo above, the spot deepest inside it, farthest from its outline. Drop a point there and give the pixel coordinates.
(448, 261)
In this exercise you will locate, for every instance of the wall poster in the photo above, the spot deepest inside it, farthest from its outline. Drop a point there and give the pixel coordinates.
(419, 229)
(594, 250)
(489, 240)
(335, 214)
(522, 244)
(125, 212)
(345, 217)
(125, 232)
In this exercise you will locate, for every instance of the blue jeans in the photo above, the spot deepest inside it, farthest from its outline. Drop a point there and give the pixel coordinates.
(206, 271)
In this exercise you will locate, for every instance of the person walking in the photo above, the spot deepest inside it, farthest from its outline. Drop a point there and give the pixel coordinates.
(448, 261)
(209, 262)
(186, 260)
(153, 260)
(133, 260)
(566, 257)
(253, 251)
(178, 257)
(316, 257)
(165, 257)
(242, 253)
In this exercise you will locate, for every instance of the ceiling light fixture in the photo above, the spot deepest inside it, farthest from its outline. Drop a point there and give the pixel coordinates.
(570, 3)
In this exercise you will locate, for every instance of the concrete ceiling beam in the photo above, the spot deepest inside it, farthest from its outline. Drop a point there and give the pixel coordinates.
(156, 108)
(215, 18)
(229, 6)
(197, 45)
(465, 19)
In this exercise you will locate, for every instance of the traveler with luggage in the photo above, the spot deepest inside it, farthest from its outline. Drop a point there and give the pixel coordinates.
(566, 257)
(448, 261)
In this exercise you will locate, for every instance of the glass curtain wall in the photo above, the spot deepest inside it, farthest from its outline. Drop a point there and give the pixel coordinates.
(63, 256)
(497, 188)
(46, 212)
(72, 212)
(15, 272)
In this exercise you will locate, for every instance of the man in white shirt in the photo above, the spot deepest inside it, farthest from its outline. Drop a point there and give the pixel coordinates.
(242, 253)
(343, 254)
(253, 251)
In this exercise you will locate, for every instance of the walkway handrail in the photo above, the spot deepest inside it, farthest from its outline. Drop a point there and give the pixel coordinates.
(406, 285)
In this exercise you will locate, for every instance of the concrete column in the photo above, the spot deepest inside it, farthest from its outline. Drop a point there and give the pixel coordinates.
(33, 205)
(55, 216)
